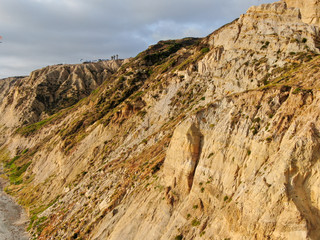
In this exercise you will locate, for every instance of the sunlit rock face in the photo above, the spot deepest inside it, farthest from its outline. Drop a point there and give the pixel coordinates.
(208, 138)
(310, 10)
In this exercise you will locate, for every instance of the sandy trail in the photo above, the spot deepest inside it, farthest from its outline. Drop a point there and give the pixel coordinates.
(12, 218)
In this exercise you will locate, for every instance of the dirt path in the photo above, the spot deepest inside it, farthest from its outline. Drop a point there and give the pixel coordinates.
(12, 218)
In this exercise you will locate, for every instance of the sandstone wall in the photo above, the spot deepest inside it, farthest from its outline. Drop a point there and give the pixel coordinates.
(310, 10)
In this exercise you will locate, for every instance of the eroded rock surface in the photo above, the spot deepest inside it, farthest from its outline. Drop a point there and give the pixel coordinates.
(212, 138)
(29, 99)
(182, 158)
(310, 10)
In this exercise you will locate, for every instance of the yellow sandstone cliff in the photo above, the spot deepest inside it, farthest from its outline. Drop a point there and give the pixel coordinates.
(211, 138)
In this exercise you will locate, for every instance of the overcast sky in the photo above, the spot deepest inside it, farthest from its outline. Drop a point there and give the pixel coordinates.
(37, 33)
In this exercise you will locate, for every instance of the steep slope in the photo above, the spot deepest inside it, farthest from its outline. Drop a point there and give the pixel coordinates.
(45, 91)
(217, 186)
(213, 138)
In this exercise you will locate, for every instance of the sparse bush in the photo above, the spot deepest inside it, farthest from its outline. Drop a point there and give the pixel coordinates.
(8, 165)
(156, 168)
(257, 120)
(205, 50)
(267, 127)
(254, 130)
(269, 139)
(265, 45)
(195, 222)
(25, 151)
(30, 129)
(296, 91)
(142, 113)
(179, 237)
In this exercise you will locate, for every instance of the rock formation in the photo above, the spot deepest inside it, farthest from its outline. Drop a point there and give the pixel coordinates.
(50, 89)
(310, 10)
(182, 158)
(211, 138)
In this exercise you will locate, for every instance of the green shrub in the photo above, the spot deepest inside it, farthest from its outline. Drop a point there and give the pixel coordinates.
(28, 130)
(257, 120)
(296, 91)
(16, 172)
(205, 50)
(8, 164)
(254, 130)
(195, 222)
(25, 151)
(179, 237)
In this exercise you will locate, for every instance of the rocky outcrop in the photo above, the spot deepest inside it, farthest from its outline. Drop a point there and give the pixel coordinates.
(310, 10)
(247, 51)
(182, 158)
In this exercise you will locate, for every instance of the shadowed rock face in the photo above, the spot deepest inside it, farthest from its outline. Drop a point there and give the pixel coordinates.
(310, 10)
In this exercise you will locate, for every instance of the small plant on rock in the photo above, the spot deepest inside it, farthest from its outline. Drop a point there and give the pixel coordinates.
(195, 222)
(179, 237)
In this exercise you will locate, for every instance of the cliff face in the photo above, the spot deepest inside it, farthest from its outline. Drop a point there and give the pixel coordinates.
(213, 138)
(45, 91)
(310, 10)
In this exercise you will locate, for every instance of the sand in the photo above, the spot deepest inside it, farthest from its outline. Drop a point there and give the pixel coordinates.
(13, 220)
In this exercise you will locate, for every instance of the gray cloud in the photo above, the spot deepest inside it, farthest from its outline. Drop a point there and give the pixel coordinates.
(37, 33)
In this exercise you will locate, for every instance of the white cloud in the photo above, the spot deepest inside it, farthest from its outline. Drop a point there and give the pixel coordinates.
(37, 33)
